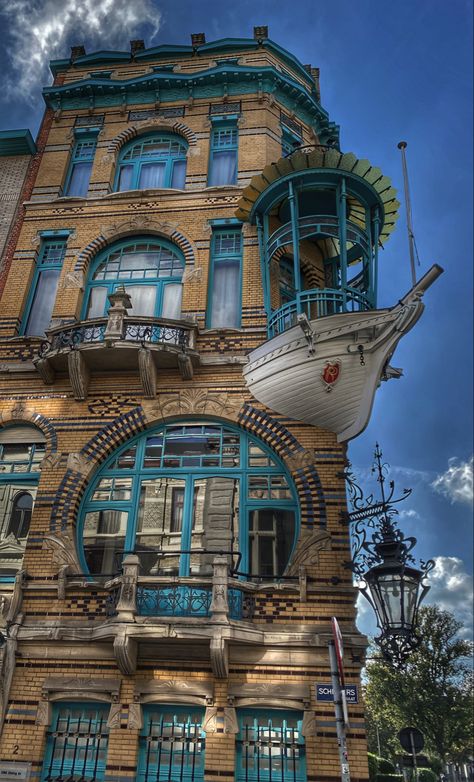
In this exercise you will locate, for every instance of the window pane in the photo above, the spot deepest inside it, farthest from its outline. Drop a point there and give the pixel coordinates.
(225, 303)
(172, 295)
(158, 543)
(152, 175)
(171, 745)
(223, 168)
(104, 539)
(179, 174)
(215, 520)
(143, 298)
(125, 178)
(97, 302)
(76, 745)
(43, 302)
(271, 536)
(79, 182)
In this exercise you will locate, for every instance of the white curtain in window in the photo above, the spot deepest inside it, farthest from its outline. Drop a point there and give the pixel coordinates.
(172, 300)
(43, 302)
(79, 182)
(224, 168)
(152, 175)
(179, 174)
(143, 299)
(97, 303)
(226, 294)
(125, 178)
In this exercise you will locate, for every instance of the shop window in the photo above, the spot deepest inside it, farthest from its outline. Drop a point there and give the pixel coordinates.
(151, 272)
(177, 495)
(224, 296)
(152, 162)
(44, 286)
(223, 155)
(76, 744)
(80, 166)
(171, 745)
(270, 746)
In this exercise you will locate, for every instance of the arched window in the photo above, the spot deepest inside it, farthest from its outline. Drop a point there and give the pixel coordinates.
(152, 162)
(151, 272)
(180, 494)
(20, 515)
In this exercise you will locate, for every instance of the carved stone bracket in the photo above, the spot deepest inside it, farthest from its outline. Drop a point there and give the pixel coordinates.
(57, 688)
(308, 728)
(147, 370)
(127, 602)
(175, 691)
(78, 374)
(306, 553)
(125, 652)
(64, 552)
(215, 719)
(219, 656)
(273, 696)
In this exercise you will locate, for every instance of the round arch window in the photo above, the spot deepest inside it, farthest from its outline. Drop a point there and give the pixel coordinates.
(149, 269)
(181, 494)
(157, 161)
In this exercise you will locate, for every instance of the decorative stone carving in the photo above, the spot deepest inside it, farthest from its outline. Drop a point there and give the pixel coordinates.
(209, 723)
(175, 691)
(231, 724)
(127, 602)
(299, 460)
(113, 720)
(78, 462)
(7, 668)
(147, 369)
(63, 550)
(46, 371)
(292, 696)
(120, 302)
(137, 223)
(185, 366)
(78, 374)
(306, 553)
(135, 716)
(308, 728)
(219, 602)
(57, 687)
(192, 274)
(125, 651)
(17, 597)
(62, 582)
(193, 401)
(43, 713)
(219, 656)
(73, 280)
(51, 461)
(212, 720)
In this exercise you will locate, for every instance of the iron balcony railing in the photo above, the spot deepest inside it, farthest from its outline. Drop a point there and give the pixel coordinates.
(138, 330)
(172, 751)
(317, 224)
(317, 303)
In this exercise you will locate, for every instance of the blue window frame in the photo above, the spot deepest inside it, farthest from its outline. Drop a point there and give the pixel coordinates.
(171, 745)
(151, 272)
(175, 495)
(225, 280)
(80, 166)
(290, 141)
(21, 450)
(152, 162)
(270, 746)
(223, 155)
(76, 744)
(40, 302)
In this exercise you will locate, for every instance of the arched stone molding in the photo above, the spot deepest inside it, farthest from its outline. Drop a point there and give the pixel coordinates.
(187, 403)
(150, 126)
(18, 412)
(138, 224)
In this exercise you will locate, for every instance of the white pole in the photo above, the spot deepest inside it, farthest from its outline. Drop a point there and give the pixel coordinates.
(411, 237)
(340, 722)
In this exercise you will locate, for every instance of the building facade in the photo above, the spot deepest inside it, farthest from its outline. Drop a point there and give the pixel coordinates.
(188, 339)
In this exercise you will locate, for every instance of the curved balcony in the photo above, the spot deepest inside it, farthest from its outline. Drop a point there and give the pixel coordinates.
(118, 343)
(325, 225)
(317, 303)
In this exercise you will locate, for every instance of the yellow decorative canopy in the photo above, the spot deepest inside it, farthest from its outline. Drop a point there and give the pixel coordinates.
(324, 158)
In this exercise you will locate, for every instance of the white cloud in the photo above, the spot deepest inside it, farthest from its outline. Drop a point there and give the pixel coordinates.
(411, 513)
(452, 590)
(457, 482)
(40, 30)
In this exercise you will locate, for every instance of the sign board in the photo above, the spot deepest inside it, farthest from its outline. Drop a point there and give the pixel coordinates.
(324, 692)
(421, 761)
(411, 739)
(14, 770)
(337, 636)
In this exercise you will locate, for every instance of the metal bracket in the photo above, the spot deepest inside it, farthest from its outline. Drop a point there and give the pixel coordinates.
(305, 326)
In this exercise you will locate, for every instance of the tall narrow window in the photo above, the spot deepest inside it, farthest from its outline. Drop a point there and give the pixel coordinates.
(270, 746)
(80, 169)
(171, 744)
(289, 141)
(76, 744)
(152, 162)
(43, 290)
(224, 300)
(223, 156)
(20, 515)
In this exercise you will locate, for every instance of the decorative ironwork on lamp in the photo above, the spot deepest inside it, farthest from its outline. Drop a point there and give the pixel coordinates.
(388, 576)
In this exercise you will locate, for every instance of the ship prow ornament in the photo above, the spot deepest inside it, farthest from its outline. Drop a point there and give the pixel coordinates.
(325, 371)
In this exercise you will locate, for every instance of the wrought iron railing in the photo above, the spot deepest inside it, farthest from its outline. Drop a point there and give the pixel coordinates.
(312, 224)
(268, 752)
(317, 303)
(139, 330)
(171, 751)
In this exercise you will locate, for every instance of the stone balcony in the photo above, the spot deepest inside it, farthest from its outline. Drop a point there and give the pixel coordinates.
(118, 343)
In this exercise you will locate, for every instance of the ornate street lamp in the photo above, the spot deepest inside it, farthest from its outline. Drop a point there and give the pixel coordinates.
(387, 572)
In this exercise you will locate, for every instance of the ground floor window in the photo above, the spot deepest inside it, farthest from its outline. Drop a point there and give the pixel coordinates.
(171, 744)
(76, 744)
(270, 747)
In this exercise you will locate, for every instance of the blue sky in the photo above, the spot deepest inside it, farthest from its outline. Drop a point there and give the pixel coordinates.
(389, 71)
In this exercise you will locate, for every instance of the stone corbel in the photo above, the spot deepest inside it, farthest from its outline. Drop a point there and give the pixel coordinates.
(78, 374)
(45, 370)
(127, 601)
(147, 370)
(185, 366)
(219, 656)
(310, 543)
(215, 719)
(125, 652)
(63, 550)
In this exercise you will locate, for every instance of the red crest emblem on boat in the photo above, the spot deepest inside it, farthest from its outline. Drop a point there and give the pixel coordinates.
(331, 373)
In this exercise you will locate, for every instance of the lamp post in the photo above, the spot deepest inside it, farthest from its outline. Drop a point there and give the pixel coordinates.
(388, 576)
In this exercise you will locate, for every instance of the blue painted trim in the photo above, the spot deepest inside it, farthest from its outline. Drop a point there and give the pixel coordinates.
(223, 222)
(216, 119)
(80, 135)
(16, 142)
(217, 257)
(40, 267)
(215, 148)
(61, 233)
(137, 163)
(103, 55)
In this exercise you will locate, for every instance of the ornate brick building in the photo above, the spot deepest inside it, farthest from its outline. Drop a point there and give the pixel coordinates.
(188, 339)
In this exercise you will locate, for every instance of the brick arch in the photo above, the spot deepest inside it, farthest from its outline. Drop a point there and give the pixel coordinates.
(313, 274)
(191, 403)
(134, 227)
(150, 126)
(18, 413)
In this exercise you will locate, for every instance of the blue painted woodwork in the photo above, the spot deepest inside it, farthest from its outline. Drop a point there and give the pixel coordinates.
(80, 164)
(224, 308)
(171, 744)
(76, 743)
(152, 161)
(42, 293)
(270, 746)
